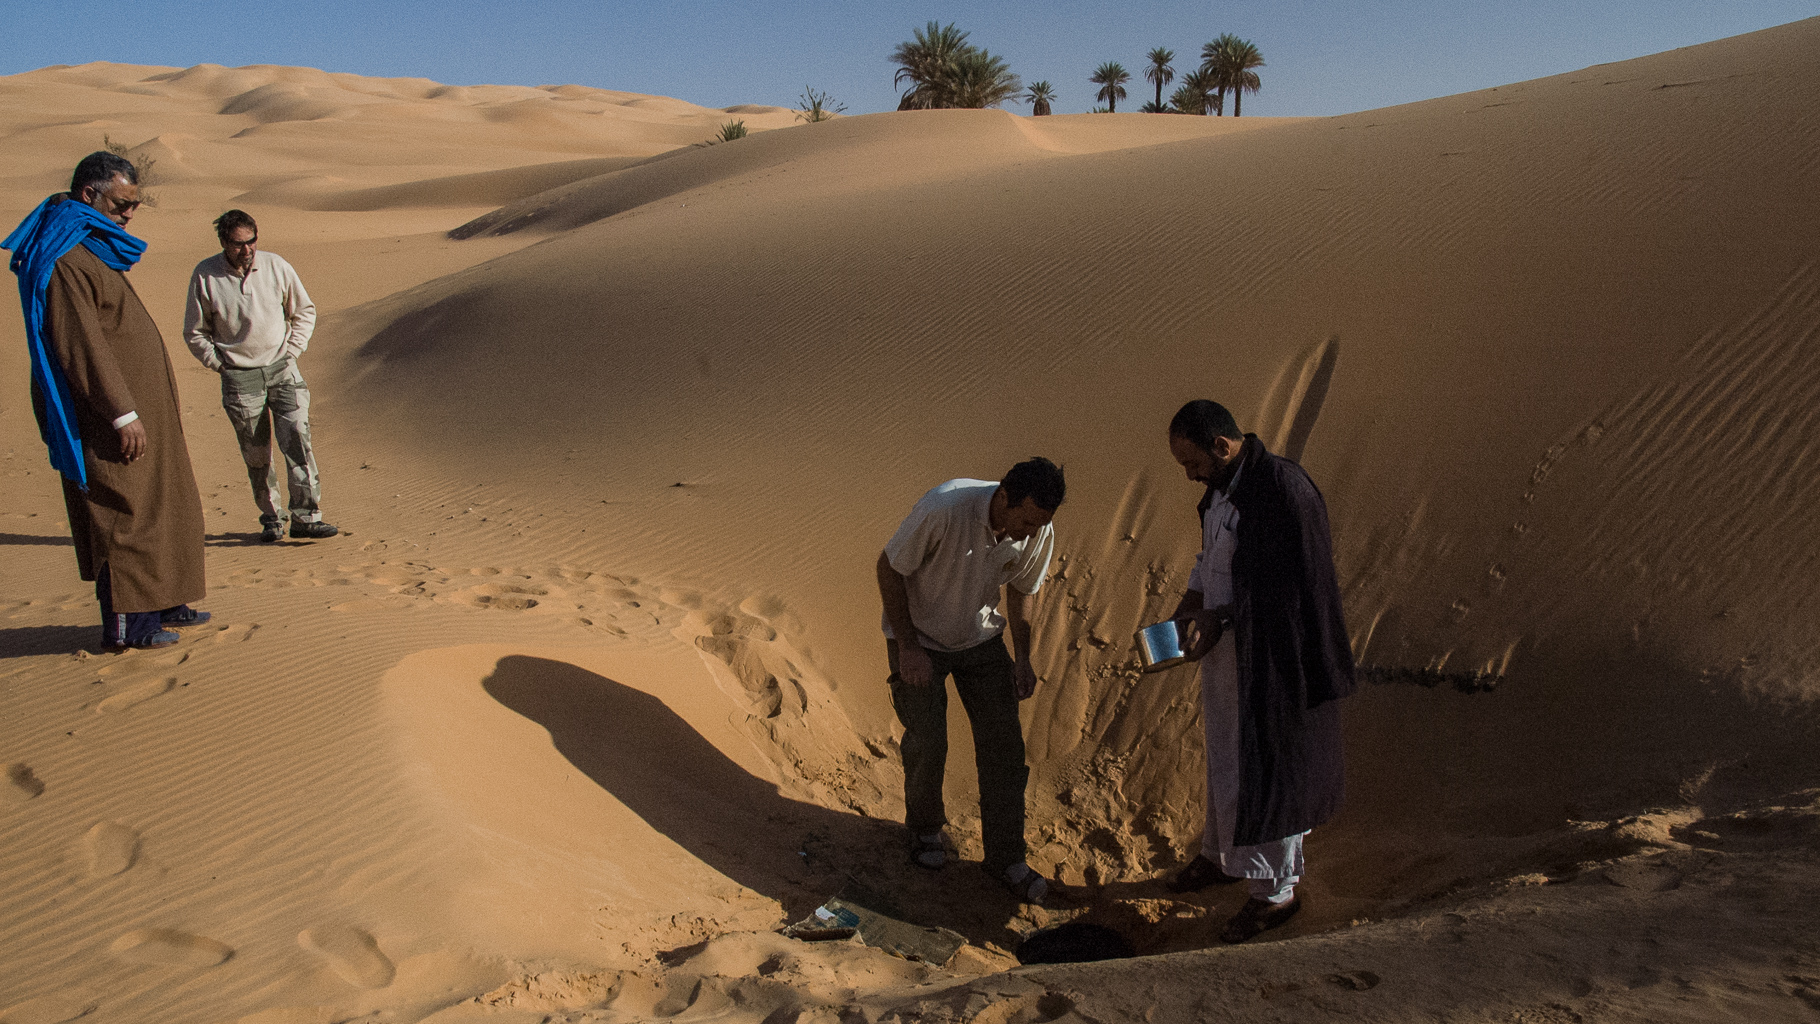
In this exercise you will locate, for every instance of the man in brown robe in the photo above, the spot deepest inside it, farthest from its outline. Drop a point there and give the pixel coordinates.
(137, 524)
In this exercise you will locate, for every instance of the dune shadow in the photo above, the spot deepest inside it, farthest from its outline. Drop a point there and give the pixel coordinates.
(31, 641)
(34, 539)
(633, 746)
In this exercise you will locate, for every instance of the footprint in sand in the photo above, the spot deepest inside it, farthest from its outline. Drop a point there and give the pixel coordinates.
(293, 1015)
(52, 1009)
(169, 948)
(109, 849)
(138, 693)
(22, 784)
(351, 953)
(501, 595)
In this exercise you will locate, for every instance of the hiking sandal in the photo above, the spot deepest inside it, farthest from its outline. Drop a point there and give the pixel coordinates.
(929, 852)
(1030, 886)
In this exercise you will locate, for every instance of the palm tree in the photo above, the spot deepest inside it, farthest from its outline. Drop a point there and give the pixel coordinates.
(976, 80)
(1186, 99)
(925, 62)
(1213, 69)
(1241, 58)
(1160, 73)
(1204, 89)
(1111, 78)
(1231, 60)
(1040, 96)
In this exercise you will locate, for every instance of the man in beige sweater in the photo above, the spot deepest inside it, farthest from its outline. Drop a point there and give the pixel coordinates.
(248, 318)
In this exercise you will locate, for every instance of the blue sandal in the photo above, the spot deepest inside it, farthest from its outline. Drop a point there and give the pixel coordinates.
(182, 617)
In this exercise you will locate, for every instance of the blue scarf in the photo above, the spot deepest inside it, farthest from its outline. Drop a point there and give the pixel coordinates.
(46, 234)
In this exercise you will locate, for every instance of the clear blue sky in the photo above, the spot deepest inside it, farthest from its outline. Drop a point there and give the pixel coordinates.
(1324, 56)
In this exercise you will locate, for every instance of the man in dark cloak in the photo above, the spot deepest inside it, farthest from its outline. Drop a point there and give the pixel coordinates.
(106, 402)
(1262, 617)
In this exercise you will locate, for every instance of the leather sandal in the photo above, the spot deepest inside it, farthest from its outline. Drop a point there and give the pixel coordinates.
(1257, 917)
(1199, 874)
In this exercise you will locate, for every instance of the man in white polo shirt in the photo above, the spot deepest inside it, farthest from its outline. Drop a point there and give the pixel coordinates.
(248, 318)
(939, 578)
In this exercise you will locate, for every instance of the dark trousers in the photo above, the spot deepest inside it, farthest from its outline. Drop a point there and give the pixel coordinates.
(985, 678)
(121, 627)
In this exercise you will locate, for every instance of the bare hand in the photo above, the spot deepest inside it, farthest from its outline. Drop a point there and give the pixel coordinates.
(132, 440)
(913, 664)
(1200, 631)
(1026, 680)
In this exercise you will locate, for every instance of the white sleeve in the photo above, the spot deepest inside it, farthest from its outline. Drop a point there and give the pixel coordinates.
(124, 420)
(198, 325)
(917, 536)
(299, 315)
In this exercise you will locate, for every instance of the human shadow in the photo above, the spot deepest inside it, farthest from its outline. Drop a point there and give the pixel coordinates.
(234, 540)
(31, 641)
(633, 746)
(35, 539)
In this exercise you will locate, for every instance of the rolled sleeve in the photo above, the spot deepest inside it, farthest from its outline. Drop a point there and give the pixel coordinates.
(1033, 569)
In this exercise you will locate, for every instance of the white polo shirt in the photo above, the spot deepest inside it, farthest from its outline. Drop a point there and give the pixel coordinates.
(953, 566)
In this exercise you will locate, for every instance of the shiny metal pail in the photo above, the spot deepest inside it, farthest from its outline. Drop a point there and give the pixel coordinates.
(1160, 646)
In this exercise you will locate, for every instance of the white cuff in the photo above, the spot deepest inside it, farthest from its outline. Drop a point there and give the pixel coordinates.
(124, 420)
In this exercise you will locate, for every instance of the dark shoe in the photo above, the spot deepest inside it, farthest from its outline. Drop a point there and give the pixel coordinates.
(312, 531)
(149, 642)
(272, 533)
(1257, 917)
(182, 617)
(1199, 874)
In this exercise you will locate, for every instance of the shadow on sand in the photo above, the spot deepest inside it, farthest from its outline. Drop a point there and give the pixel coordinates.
(34, 539)
(634, 747)
(31, 641)
(237, 540)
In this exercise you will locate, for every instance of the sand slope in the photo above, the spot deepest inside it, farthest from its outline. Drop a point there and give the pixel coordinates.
(590, 697)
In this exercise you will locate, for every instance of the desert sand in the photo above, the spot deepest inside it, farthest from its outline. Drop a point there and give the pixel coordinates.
(589, 697)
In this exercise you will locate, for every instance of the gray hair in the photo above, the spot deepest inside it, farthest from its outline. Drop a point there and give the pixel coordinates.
(99, 169)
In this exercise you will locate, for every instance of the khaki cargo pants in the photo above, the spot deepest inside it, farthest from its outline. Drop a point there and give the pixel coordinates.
(267, 402)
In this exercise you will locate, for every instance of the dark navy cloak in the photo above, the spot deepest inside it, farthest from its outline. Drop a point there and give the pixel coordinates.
(1294, 654)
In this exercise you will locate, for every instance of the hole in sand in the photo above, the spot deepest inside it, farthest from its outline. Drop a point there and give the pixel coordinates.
(1447, 791)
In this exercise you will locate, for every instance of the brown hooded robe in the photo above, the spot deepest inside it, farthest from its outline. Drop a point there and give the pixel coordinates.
(143, 520)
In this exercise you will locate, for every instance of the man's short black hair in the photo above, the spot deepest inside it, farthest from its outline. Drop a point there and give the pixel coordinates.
(1200, 421)
(99, 169)
(1037, 479)
(232, 221)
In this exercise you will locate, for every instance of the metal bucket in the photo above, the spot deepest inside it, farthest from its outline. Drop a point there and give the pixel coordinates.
(1160, 646)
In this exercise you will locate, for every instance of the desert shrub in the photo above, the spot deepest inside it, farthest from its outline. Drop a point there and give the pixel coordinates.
(142, 165)
(816, 105)
(735, 129)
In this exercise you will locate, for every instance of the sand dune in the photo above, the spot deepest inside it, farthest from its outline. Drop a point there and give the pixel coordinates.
(590, 698)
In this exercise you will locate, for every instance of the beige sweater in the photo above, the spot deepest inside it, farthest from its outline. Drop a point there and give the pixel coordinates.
(242, 323)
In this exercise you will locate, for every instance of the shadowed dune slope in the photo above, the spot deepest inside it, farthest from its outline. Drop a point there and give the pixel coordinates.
(1549, 349)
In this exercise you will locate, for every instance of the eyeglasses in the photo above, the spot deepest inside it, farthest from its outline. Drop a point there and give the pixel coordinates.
(231, 244)
(119, 205)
